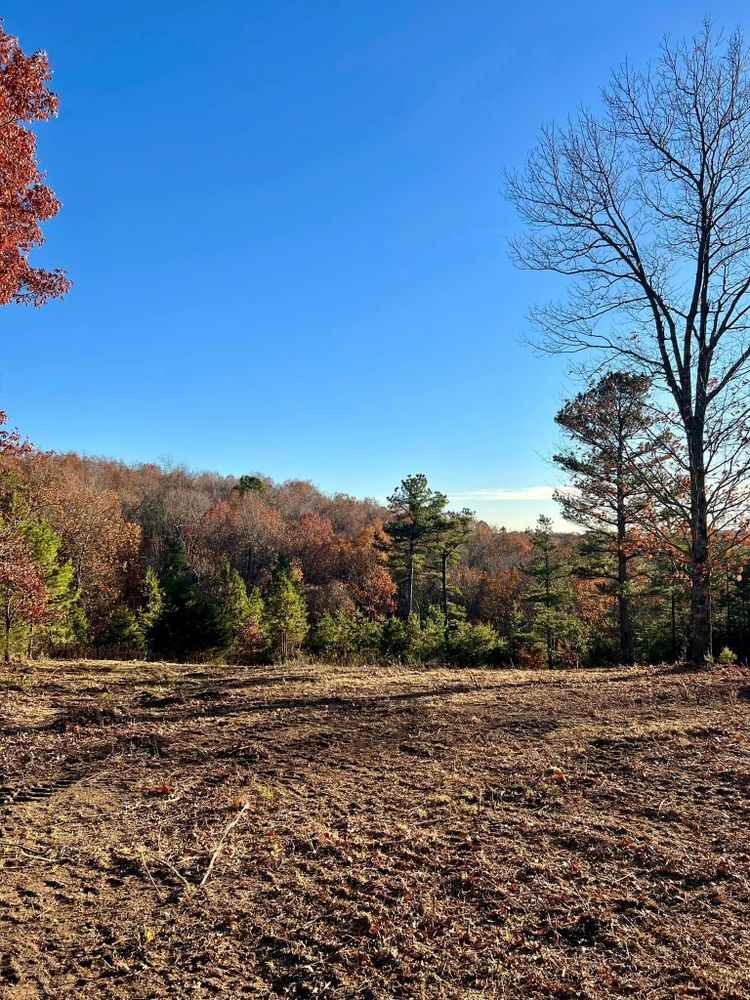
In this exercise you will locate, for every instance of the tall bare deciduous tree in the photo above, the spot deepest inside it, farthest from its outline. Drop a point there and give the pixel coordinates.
(646, 207)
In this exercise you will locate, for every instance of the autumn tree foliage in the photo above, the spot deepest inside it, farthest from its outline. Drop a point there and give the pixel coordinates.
(26, 201)
(101, 543)
(364, 572)
(107, 559)
(12, 447)
(38, 597)
(24, 598)
(22, 590)
(310, 543)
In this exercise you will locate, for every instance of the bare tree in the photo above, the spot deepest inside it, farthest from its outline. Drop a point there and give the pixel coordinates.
(646, 206)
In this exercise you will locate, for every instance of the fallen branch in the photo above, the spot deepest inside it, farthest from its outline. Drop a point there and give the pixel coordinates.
(219, 846)
(171, 868)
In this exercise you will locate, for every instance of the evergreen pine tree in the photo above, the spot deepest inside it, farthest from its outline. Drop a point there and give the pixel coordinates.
(416, 512)
(190, 625)
(552, 624)
(65, 621)
(125, 634)
(251, 643)
(453, 529)
(152, 606)
(285, 616)
(608, 429)
(324, 638)
(233, 602)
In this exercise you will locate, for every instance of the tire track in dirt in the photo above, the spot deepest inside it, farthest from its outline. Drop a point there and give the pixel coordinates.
(11, 796)
(25, 793)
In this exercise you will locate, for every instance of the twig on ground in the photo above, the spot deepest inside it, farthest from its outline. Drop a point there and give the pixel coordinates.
(219, 846)
(31, 854)
(170, 867)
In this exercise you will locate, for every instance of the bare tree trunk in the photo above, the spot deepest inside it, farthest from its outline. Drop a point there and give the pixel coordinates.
(700, 601)
(627, 650)
(445, 588)
(548, 605)
(410, 593)
(700, 616)
(7, 630)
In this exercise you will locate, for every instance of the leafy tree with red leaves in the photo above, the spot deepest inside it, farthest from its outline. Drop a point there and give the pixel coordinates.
(25, 200)
(23, 594)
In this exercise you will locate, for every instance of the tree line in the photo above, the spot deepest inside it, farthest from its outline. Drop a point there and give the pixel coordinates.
(104, 559)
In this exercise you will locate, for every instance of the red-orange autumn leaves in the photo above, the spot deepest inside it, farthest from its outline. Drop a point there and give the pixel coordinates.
(26, 201)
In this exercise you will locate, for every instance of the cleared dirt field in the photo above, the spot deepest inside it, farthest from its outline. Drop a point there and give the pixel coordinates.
(322, 832)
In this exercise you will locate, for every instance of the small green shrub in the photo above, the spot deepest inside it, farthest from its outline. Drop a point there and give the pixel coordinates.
(475, 645)
(345, 635)
(126, 638)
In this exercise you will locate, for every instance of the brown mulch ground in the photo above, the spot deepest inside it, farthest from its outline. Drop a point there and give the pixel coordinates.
(397, 833)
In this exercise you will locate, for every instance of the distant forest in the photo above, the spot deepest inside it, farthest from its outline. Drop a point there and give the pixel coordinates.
(104, 559)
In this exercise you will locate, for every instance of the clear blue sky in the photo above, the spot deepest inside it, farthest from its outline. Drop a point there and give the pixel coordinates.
(286, 230)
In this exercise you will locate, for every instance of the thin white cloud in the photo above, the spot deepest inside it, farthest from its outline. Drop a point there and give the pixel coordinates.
(501, 494)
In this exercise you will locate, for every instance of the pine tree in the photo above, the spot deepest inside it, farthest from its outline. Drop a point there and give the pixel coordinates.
(607, 426)
(453, 529)
(552, 623)
(126, 634)
(190, 625)
(285, 616)
(324, 638)
(250, 484)
(251, 643)
(61, 621)
(416, 512)
(152, 603)
(67, 621)
(233, 604)
(257, 606)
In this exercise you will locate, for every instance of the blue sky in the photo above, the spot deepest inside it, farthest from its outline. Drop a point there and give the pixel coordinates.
(286, 229)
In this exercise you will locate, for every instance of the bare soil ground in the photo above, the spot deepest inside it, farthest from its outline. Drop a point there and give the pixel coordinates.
(327, 832)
